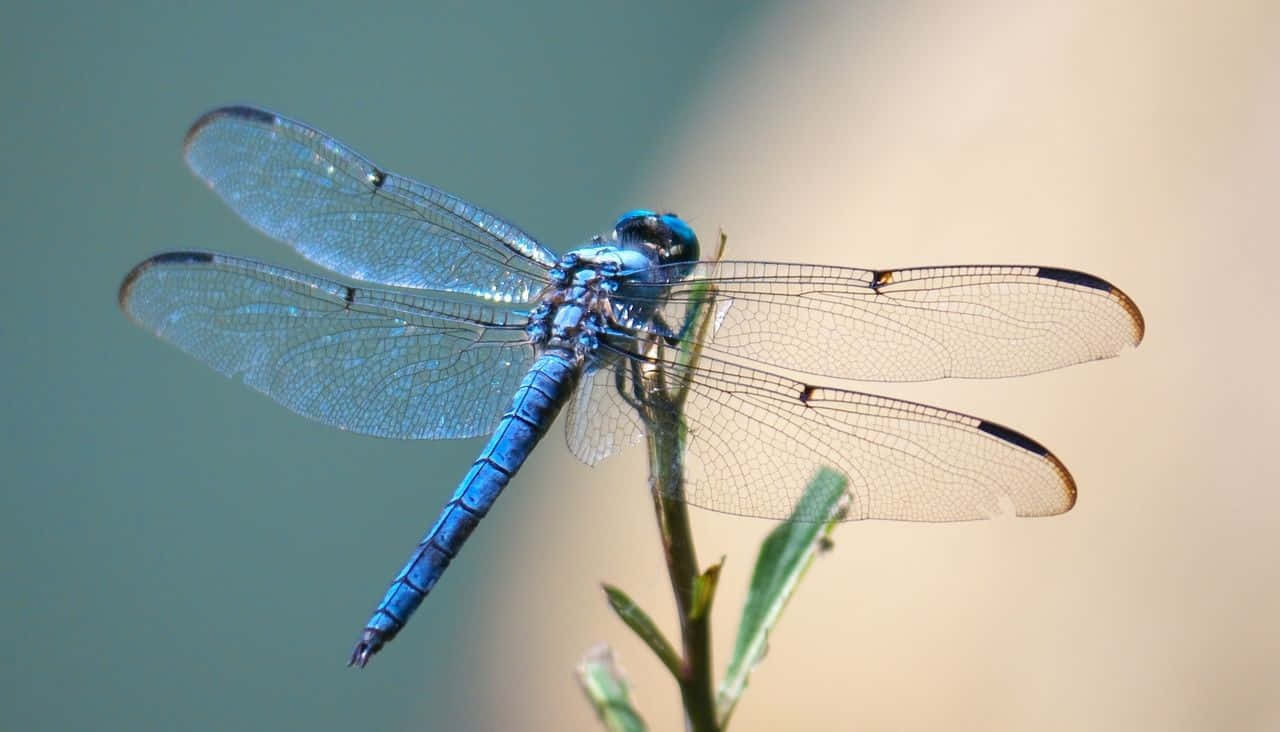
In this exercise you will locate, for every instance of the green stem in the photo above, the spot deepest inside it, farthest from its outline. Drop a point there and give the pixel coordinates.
(666, 467)
(666, 437)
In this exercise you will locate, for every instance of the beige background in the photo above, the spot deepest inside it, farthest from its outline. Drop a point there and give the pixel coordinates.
(1134, 141)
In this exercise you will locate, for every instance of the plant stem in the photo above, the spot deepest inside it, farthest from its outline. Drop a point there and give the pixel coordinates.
(666, 467)
(662, 410)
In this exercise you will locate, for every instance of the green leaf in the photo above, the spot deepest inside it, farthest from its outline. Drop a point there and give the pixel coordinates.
(704, 590)
(640, 622)
(606, 688)
(784, 557)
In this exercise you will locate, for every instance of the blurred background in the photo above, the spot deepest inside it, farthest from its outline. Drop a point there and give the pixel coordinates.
(178, 552)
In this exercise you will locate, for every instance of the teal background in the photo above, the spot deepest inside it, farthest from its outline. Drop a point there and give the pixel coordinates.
(178, 552)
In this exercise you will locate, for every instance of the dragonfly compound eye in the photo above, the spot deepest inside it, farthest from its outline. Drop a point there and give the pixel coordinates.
(682, 243)
(666, 236)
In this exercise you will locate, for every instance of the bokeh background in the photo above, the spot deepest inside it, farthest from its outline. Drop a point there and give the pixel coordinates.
(179, 553)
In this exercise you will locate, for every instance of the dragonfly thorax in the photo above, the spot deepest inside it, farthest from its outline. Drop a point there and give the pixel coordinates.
(575, 309)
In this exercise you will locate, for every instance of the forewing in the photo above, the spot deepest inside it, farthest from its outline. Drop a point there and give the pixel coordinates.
(336, 208)
(979, 321)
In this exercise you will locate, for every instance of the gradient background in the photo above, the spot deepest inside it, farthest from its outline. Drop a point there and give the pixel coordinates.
(179, 553)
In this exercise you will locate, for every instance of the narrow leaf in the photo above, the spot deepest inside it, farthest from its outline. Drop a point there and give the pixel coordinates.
(606, 688)
(640, 622)
(704, 590)
(698, 318)
(784, 557)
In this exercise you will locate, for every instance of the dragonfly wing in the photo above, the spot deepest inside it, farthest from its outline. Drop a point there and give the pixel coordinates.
(755, 440)
(979, 321)
(600, 419)
(377, 362)
(336, 208)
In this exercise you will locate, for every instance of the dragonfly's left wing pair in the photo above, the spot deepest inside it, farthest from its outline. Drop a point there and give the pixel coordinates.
(429, 363)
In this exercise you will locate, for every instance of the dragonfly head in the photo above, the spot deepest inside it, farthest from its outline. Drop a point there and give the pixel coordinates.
(663, 235)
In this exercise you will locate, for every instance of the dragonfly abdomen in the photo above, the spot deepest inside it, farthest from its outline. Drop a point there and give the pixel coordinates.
(545, 388)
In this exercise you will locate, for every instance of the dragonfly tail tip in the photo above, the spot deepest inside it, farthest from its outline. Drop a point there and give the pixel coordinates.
(371, 642)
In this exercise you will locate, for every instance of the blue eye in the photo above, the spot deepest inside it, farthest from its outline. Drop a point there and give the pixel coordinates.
(665, 235)
(684, 243)
(631, 216)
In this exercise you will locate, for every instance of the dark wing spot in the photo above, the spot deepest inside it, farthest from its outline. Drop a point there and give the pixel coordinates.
(880, 278)
(181, 258)
(377, 178)
(1072, 277)
(350, 296)
(251, 114)
(1083, 279)
(806, 393)
(1013, 437)
(158, 260)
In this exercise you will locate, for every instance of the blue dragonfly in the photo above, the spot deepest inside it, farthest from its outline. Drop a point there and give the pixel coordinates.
(454, 323)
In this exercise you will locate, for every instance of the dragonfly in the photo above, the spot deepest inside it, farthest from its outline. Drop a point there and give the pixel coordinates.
(451, 322)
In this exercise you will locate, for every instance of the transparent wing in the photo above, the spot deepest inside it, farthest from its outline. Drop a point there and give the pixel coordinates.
(377, 362)
(756, 439)
(976, 321)
(339, 210)
(600, 420)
